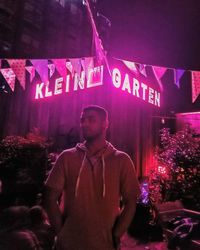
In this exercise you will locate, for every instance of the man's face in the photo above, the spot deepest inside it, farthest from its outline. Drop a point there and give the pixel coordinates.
(92, 124)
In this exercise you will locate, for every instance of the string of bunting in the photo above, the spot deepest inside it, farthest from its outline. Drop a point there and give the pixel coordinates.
(159, 72)
(16, 69)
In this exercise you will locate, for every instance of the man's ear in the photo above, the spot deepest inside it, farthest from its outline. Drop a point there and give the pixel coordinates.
(105, 124)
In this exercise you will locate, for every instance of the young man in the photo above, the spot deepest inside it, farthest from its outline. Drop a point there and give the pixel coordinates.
(92, 177)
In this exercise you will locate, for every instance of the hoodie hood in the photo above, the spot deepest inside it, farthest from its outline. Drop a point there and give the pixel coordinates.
(102, 153)
(108, 149)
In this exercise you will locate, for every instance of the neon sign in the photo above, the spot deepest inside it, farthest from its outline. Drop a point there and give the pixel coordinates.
(66, 84)
(93, 78)
(135, 88)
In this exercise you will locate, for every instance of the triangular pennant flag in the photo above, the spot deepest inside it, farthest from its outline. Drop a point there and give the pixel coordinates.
(76, 64)
(142, 69)
(87, 64)
(159, 72)
(195, 85)
(18, 66)
(41, 65)
(83, 64)
(31, 71)
(52, 68)
(69, 67)
(131, 66)
(60, 65)
(178, 73)
(9, 76)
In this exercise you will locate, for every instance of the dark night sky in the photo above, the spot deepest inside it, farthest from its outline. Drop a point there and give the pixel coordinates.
(156, 32)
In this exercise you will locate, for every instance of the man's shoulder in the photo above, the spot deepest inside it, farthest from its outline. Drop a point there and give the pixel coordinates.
(121, 155)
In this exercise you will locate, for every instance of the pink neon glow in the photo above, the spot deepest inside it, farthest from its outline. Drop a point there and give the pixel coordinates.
(58, 86)
(126, 85)
(69, 83)
(79, 81)
(135, 88)
(189, 113)
(47, 92)
(116, 78)
(95, 77)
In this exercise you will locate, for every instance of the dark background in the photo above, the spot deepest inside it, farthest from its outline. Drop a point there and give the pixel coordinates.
(165, 33)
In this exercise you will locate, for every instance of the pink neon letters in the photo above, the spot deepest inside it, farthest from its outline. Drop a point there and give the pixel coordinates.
(134, 87)
(69, 83)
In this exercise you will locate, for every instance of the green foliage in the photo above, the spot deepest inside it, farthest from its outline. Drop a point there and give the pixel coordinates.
(23, 163)
(179, 155)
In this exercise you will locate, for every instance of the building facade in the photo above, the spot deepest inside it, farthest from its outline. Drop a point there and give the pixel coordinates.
(44, 29)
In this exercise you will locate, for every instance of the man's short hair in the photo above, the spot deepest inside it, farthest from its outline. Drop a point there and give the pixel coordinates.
(103, 113)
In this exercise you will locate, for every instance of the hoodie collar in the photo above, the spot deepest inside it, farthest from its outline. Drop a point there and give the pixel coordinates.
(106, 150)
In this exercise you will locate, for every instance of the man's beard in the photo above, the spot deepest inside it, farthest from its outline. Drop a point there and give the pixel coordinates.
(92, 137)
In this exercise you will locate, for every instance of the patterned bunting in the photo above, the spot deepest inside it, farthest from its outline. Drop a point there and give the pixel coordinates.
(69, 67)
(195, 85)
(87, 64)
(18, 66)
(131, 66)
(31, 71)
(51, 69)
(41, 66)
(76, 64)
(9, 76)
(142, 69)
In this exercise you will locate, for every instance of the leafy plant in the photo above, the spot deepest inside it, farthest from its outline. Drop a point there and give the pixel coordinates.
(23, 164)
(177, 175)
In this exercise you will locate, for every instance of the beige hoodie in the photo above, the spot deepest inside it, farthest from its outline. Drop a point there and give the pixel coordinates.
(92, 186)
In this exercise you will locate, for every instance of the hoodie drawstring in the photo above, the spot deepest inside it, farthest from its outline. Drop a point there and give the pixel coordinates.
(104, 181)
(79, 175)
(103, 174)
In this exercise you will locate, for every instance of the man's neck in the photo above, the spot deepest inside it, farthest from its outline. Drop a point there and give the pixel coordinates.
(96, 145)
